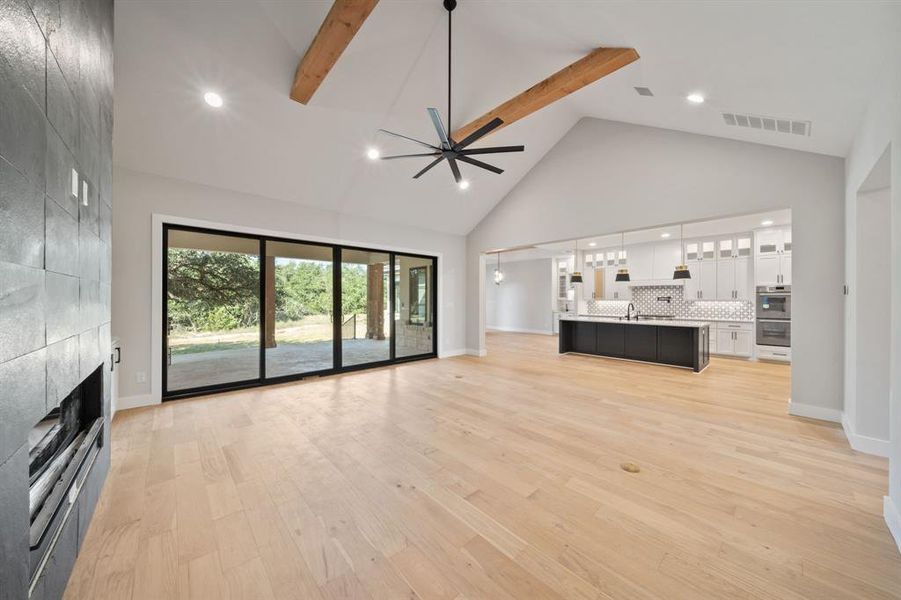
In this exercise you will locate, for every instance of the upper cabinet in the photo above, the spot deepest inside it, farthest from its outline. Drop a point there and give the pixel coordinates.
(774, 256)
(733, 268)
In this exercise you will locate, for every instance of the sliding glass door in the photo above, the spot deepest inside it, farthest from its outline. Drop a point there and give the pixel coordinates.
(211, 310)
(299, 322)
(414, 305)
(243, 310)
(365, 307)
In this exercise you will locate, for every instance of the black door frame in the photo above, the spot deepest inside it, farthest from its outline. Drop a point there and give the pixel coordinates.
(337, 362)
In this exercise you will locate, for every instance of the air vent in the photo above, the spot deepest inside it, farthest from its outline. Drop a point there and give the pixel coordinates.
(643, 91)
(767, 123)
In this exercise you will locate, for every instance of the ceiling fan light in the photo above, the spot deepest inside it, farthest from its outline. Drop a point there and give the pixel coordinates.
(373, 154)
(464, 184)
(682, 272)
(623, 275)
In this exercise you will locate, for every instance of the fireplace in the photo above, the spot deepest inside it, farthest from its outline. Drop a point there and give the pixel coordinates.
(62, 448)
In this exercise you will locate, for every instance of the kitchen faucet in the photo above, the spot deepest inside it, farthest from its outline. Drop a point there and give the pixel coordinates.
(629, 310)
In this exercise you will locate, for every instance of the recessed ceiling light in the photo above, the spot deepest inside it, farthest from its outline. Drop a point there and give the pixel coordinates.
(766, 223)
(373, 154)
(592, 244)
(695, 98)
(463, 184)
(664, 235)
(213, 99)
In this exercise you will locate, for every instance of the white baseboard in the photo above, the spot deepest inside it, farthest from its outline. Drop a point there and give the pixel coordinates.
(476, 352)
(864, 443)
(892, 519)
(450, 353)
(517, 330)
(814, 412)
(135, 401)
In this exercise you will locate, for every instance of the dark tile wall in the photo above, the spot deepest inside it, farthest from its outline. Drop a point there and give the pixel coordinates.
(56, 107)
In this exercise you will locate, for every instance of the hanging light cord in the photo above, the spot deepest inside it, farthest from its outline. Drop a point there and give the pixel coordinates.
(450, 15)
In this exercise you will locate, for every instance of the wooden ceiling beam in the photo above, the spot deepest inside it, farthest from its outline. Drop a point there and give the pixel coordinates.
(586, 70)
(340, 26)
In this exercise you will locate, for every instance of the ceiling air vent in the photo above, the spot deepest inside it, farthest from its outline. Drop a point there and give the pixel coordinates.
(767, 123)
(643, 91)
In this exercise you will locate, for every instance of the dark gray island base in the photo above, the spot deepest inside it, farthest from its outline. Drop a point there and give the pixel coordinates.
(675, 343)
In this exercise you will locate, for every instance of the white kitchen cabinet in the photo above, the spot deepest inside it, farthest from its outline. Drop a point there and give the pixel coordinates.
(641, 262)
(769, 269)
(588, 276)
(734, 339)
(733, 269)
(702, 285)
(773, 258)
(744, 343)
(707, 283)
(786, 264)
(725, 279)
(666, 256)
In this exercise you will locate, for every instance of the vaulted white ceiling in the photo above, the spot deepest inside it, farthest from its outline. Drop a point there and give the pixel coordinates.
(800, 60)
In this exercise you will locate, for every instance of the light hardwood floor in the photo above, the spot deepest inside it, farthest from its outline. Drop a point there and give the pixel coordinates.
(492, 478)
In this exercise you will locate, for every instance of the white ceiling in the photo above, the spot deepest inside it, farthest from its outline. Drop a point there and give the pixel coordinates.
(800, 60)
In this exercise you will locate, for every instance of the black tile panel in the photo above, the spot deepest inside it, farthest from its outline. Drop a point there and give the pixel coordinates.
(23, 46)
(62, 108)
(91, 304)
(62, 370)
(22, 399)
(59, 164)
(65, 39)
(65, 318)
(88, 254)
(22, 140)
(21, 219)
(62, 240)
(21, 310)
(89, 357)
(14, 526)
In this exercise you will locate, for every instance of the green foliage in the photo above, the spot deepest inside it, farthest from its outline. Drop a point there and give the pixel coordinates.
(219, 291)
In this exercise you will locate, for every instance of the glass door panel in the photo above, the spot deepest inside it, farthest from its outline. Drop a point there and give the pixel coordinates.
(413, 305)
(298, 332)
(365, 306)
(212, 300)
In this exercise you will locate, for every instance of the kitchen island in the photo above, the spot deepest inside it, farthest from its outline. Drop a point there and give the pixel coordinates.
(675, 343)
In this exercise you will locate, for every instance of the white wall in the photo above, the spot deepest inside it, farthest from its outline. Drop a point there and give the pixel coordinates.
(523, 301)
(879, 130)
(605, 176)
(867, 408)
(138, 196)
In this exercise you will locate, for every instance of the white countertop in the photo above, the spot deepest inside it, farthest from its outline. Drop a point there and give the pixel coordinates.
(657, 322)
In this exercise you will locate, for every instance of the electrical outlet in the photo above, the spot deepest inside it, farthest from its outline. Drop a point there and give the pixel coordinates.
(141, 377)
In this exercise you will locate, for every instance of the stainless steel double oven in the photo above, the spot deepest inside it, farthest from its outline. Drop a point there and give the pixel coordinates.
(774, 304)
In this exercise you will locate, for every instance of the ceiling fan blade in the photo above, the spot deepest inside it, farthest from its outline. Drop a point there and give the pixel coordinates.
(439, 127)
(429, 166)
(481, 131)
(492, 150)
(455, 169)
(410, 155)
(421, 143)
(481, 164)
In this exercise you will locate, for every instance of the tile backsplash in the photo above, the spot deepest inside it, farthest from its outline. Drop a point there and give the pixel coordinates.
(653, 301)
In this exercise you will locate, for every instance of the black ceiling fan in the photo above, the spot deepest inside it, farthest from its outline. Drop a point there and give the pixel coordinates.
(449, 149)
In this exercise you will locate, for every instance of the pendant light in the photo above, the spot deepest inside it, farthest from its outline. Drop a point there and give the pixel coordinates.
(682, 271)
(498, 274)
(577, 275)
(622, 274)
